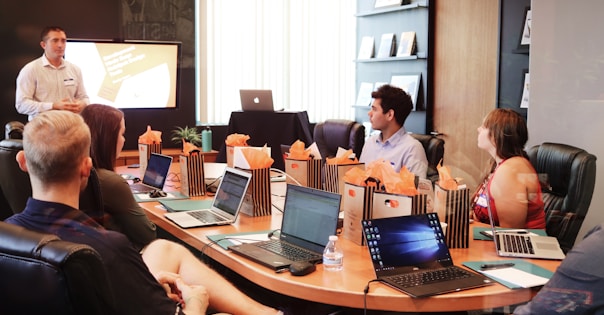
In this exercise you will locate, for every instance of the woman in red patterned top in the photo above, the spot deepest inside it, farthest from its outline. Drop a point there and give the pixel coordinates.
(511, 185)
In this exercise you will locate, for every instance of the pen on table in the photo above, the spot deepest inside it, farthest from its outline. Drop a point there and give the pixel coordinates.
(496, 266)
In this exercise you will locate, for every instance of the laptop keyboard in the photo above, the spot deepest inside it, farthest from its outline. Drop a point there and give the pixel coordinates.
(429, 276)
(205, 216)
(289, 251)
(141, 188)
(517, 244)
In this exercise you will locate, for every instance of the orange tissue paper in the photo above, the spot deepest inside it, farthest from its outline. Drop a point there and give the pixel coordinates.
(445, 180)
(356, 176)
(237, 140)
(406, 185)
(298, 151)
(188, 148)
(342, 159)
(257, 159)
(150, 136)
(402, 183)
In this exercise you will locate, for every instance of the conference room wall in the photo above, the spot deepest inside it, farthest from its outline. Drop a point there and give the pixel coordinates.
(567, 75)
(20, 27)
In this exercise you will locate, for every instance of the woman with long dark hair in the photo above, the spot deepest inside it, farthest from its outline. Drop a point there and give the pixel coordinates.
(123, 213)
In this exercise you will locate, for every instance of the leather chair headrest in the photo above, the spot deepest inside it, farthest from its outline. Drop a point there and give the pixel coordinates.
(20, 241)
(11, 144)
(14, 130)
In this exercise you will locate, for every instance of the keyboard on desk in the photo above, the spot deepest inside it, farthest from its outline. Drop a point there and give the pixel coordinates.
(429, 276)
(517, 244)
(206, 216)
(289, 251)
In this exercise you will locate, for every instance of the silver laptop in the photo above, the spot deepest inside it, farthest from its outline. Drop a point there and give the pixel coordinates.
(310, 216)
(409, 253)
(514, 244)
(256, 100)
(155, 174)
(225, 206)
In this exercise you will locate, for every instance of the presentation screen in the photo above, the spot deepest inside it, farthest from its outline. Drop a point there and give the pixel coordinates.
(129, 74)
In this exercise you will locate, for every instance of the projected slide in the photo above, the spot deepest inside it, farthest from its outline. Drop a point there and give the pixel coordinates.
(127, 75)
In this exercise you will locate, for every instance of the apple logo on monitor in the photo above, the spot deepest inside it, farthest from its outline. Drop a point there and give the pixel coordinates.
(256, 100)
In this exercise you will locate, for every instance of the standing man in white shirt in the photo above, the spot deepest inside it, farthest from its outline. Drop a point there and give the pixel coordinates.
(50, 82)
(390, 108)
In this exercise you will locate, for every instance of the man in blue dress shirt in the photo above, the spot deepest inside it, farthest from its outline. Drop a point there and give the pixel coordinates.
(390, 108)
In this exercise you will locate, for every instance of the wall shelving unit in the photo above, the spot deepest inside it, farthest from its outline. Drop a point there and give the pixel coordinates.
(416, 16)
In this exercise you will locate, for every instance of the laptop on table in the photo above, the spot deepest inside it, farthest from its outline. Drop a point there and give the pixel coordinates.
(409, 253)
(155, 174)
(514, 244)
(256, 100)
(225, 206)
(310, 216)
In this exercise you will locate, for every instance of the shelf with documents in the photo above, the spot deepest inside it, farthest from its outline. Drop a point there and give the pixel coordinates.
(415, 18)
(419, 55)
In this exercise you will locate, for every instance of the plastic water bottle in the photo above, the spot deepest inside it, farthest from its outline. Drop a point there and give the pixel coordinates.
(206, 140)
(333, 256)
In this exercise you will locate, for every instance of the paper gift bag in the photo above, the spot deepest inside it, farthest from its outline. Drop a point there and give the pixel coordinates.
(357, 202)
(230, 152)
(306, 172)
(192, 178)
(420, 204)
(334, 176)
(386, 205)
(144, 153)
(453, 208)
(257, 200)
(425, 199)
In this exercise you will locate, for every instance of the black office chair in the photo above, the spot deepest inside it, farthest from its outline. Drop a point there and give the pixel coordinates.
(42, 274)
(14, 183)
(567, 192)
(334, 133)
(435, 151)
(14, 130)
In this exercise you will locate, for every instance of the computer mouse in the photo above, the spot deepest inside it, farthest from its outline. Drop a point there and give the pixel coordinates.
(157, 193)
(301, 268)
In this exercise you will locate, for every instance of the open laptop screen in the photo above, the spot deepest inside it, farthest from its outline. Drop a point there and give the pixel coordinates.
(157, 170)
(310, 216)
(407, 243)
(231, 191)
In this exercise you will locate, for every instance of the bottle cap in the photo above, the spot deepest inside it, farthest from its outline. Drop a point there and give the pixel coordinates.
(333, 237)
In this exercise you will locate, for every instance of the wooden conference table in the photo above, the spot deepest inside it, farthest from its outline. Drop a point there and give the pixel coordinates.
(344, 288)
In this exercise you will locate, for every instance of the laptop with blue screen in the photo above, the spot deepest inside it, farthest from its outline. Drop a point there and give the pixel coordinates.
(155, 175)
(407, 252)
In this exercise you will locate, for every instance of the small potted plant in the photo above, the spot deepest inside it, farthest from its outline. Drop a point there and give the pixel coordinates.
(187, 134)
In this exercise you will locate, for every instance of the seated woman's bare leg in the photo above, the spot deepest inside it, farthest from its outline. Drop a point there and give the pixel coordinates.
(162, 255)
